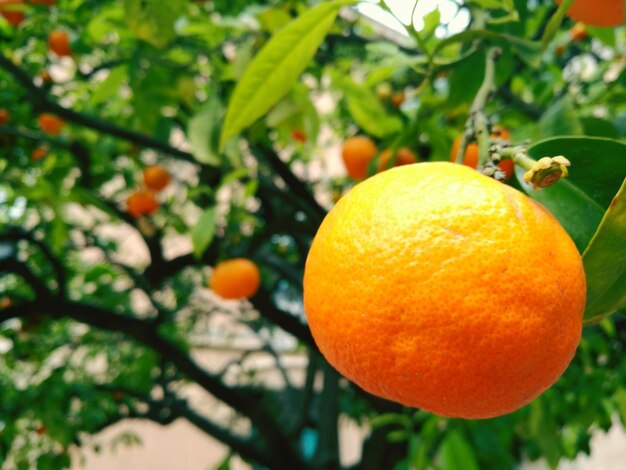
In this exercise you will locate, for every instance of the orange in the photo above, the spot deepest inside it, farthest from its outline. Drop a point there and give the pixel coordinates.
(471, 153)
(4, 116)
(141, 203)
(298, 135)
(156, 177)
(237, 278)
(397, 98)
(437, 287)
(59, 43)
(51, 124)
(14, 17)
(357, 153)
(39, 153)
(404, 156)
(611, 13)
(578, 32)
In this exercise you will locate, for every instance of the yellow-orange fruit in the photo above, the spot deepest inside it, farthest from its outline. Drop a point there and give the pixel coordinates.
(437, 287)
(237, 278)
(51, 124)
(13, 16)
(141, 203)
(404, 156)
(357, 153)
(593, 12)
(156, 177)
(59, 43)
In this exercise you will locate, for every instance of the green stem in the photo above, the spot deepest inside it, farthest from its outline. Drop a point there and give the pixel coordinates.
(477, 123)
(519, 156)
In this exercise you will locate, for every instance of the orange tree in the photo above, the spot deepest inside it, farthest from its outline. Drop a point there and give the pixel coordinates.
(230, 99)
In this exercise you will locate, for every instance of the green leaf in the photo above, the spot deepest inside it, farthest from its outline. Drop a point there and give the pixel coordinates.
(455, 453)
(620, 399)
(202, 131)
(277, 66)
(369, 113)
(554, 24)
(596, 174)
(153, 20)
(545, 431)
(110, 86)
(559, 119)
(204, 230)
(605, 262)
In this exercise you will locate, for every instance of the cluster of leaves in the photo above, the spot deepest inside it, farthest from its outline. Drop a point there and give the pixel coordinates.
(104, 335)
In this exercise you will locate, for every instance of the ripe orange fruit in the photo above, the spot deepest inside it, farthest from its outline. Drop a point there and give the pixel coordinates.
(14, 17)
(59, 43)
(578, 32)
(237, 278)
(357, 153)
(39, 153)
(471, 153)
(404, 156)
(440, 288)
(141, 203)
(610, 13)
(156, 177)
(51, 124)
(4, 116)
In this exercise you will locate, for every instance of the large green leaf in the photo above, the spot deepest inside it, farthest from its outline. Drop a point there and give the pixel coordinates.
(277, 67)
(204, 230)
(455, 453)
(605, 262)
(153, 20)
(579, 202)
(559, 119)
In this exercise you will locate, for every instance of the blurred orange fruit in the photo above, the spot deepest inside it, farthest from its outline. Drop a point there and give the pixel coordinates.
(59, 43)
(4, 116)
(404, 156)
(237, 278)
(141, 203)
(13, 16)
(39, 153)
(357, 153)
(51, 124)
(156, 177)
(593, 12)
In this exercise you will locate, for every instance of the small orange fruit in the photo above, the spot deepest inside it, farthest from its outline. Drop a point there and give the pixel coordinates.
(471, 152)
(357, 153)
(298, 135)
(4, 116)
(559, 50)
(237, 278)
(13, 16)
(437, 287)
(610, 13)
(51, 124)
(141, 203)
(59, 43)
(578, 32)
(39, 153)
(397, 98)
(404, 156)
(156, 177)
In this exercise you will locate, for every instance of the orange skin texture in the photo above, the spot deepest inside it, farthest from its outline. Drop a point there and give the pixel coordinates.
(39, 153)
(237, 278)
(59, 43)
(437, 287)
(4, 116)
(13, 17)
(471, 153)
(156, 177)
(357, 153)
(141, 203)
(578, 32)
(51, 124)
(611, 13)
(404, 156)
